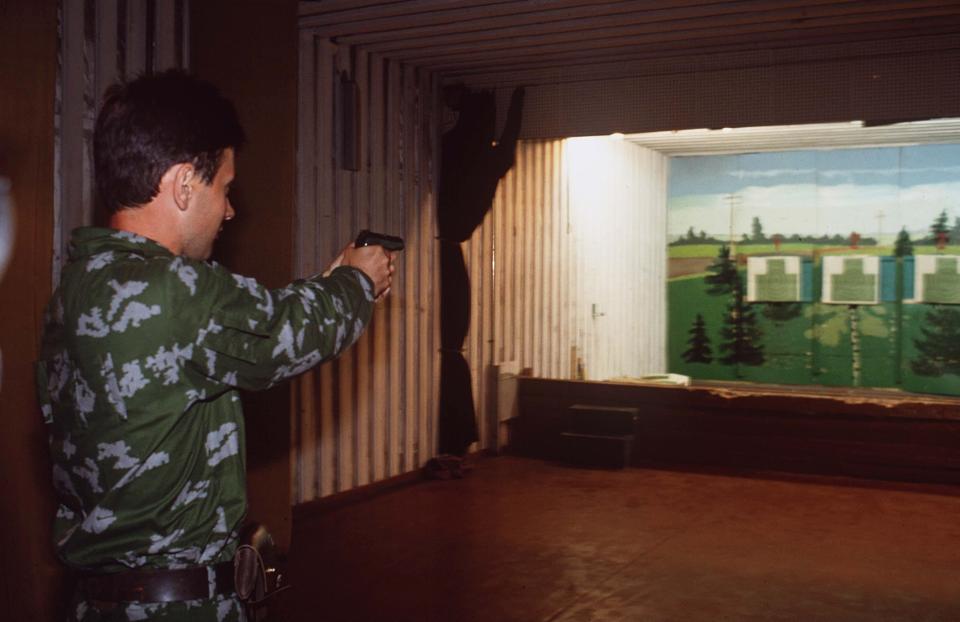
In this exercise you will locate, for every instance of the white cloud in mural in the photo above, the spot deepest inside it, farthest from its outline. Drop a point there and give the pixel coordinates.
(818, 209)
(773, 173)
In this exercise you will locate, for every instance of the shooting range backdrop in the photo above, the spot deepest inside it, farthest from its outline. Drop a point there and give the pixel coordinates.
(833, 267)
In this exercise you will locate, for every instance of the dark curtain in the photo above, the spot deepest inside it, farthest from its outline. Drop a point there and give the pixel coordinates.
(471, 166)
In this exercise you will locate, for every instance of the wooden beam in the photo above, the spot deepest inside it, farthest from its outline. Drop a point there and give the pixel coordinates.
(610, 15)
(413, 13)
(665, 44)
(653, 62)
(612, 36)
(474, 19)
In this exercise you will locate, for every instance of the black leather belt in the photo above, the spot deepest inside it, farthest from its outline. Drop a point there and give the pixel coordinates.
(157, 585)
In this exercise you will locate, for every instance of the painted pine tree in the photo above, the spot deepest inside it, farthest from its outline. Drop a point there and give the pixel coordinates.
(940, 230)
(742, 336)
(757, 228)
(939, 345)
(723, 273)
(699, 344)
(903, 247)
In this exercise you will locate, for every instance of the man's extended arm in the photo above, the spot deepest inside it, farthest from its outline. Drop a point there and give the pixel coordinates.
(256, 337)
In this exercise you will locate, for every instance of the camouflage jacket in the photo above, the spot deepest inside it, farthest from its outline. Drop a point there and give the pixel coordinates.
(143, 353)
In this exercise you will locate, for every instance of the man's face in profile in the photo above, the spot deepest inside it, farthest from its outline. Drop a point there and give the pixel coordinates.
(210, 207)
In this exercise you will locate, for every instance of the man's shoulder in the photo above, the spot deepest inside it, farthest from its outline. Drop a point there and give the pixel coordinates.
(108, 272)
(115, 295)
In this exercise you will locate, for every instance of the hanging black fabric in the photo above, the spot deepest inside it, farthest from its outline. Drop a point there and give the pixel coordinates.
(471, 167)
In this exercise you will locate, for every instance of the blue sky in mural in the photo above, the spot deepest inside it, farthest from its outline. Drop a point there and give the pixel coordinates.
(872, 191)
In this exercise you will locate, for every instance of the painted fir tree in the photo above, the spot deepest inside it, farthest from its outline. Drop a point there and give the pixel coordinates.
(723, 273)
(757, 228)
(742, 336)
(699, 344)
(903, 247)
(939, 344)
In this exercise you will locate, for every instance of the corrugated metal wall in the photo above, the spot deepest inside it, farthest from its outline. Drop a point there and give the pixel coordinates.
(573, 225)
(568, 268)
(102, 42)
(371, 414)
(523, 279)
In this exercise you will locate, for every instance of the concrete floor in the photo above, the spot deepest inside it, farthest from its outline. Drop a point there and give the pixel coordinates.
(528, 541)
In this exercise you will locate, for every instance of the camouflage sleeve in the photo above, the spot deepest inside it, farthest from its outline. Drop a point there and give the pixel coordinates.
(256, 337)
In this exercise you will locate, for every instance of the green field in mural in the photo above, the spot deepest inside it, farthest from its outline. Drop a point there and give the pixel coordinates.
(841, 295)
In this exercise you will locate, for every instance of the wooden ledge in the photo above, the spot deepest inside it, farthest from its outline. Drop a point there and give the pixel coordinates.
(798, 399)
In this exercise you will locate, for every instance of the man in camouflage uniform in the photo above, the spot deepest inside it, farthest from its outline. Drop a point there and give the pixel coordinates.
(145, 345)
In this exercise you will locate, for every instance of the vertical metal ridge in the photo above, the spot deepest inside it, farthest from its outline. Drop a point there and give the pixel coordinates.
(180, 34)
(343, 215)
(121, 38)
(164, 34)
(362, 220)
(381, 388)
(150, 40)
(136, 37)
(395, 222)
(406, 185)
(425, 199)
(324, 239)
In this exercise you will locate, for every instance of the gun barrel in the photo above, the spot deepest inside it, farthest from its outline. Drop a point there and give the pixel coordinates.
(389, 242)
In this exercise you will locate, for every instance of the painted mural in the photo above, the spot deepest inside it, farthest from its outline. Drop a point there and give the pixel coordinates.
(834, 267)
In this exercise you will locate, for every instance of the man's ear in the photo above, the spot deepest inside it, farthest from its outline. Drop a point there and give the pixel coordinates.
(184, 175)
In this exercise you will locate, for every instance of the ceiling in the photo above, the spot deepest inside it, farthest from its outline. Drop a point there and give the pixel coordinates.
(458, 39)
(789, 137)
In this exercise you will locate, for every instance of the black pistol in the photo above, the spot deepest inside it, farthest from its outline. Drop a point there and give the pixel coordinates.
(388, 242)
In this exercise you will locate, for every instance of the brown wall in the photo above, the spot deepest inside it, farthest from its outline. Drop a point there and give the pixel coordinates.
(29, 573)
(248, 49)
(901, 79)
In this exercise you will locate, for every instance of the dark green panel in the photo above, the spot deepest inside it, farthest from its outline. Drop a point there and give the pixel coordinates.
(931, 342)
(780, 369)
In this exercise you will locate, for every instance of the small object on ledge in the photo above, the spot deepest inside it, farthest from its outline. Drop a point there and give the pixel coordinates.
(672, 379)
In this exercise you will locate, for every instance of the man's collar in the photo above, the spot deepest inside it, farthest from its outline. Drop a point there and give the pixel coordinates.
(87, 241)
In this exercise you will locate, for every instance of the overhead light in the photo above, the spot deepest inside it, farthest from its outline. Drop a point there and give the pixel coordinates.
(617, 136)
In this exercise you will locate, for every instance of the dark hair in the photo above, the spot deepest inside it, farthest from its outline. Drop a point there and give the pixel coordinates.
(152, 123)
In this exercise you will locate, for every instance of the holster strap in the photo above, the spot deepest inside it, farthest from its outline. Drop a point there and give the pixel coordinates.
(157, 585)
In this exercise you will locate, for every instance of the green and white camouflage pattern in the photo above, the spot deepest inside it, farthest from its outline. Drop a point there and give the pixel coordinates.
(143, 353)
